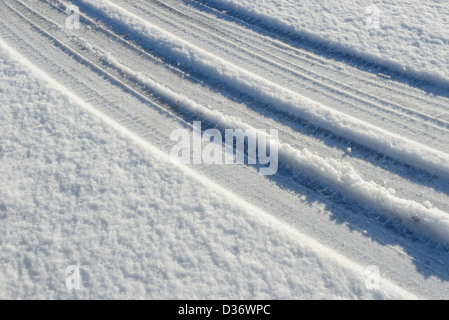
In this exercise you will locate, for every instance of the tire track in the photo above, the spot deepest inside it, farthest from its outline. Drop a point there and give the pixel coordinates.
(309, 51)
(132, 119)
(359, 98)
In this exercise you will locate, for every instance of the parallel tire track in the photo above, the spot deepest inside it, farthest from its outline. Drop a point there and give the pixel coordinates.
(313, 58)
(230, 38)
(130, 86)
(371, 104)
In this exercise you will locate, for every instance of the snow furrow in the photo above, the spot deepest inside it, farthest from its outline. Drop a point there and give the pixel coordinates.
(292, 66)
(312, 59)
(272, 22)
(308, 245)
(427, 130)
(264, 90)
(344, 177)
(431, 222)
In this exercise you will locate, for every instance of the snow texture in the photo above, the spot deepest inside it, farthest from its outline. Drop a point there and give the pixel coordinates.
(273, 94)
(78, 189)
(432, 222)
(410, 37)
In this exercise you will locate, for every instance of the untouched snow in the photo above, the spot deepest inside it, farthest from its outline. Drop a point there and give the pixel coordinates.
(77, 191)
(411, 36)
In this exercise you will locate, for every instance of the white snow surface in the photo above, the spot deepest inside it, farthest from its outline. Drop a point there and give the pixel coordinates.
(271, 93)
(412, 36)
(433, 222)
(78, 189)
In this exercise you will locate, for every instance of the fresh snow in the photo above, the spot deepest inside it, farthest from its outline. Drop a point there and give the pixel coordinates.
(77, 191)
(88, 183)
(432, 222)
(273, 94)
(411, 37)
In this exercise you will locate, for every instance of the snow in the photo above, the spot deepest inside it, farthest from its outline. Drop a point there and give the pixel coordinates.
(278, 97)
(79, 189)
(89, 116)
(432, 222)
(411, 37)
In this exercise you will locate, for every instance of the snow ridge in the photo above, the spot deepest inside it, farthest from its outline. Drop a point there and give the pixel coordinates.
(431, 222)
(385, 142)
